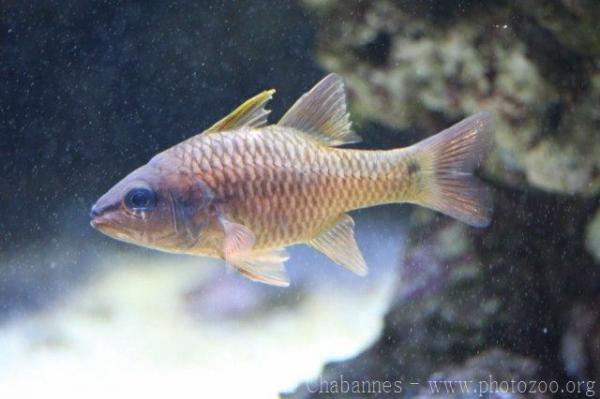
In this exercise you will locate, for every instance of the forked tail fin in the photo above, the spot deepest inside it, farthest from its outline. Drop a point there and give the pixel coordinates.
(445, 162)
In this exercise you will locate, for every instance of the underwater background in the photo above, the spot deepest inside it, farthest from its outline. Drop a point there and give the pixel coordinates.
(92, 89)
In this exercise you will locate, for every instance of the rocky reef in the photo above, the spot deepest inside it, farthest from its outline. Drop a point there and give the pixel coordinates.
(520, 299)
(428, 63)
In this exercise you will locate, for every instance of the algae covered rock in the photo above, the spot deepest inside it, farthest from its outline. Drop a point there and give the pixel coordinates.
(427, 64)
(494, 373)
(592, 237)
(580, 345)
(518, 299)
(462, 292)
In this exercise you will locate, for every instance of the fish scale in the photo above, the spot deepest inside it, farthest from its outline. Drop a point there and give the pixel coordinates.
(339, 180)
(243, 190)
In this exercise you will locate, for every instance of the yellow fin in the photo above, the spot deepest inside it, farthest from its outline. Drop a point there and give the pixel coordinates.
(322, 113)
(339, 245)
(251, 113)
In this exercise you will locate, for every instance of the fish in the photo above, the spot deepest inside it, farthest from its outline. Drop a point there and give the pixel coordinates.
(244, 190)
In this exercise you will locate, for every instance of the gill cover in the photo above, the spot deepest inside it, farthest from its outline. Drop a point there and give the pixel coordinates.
(191, 211)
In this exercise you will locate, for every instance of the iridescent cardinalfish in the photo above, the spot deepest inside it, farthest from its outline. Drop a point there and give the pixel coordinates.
(243, 190)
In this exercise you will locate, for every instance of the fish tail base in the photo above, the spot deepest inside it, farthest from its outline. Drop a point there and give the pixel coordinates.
(441, 169)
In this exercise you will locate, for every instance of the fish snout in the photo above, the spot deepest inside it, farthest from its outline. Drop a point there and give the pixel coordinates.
(98, 215)
(95, 211)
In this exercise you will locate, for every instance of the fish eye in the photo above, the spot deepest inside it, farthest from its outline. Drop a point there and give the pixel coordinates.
(140, 199)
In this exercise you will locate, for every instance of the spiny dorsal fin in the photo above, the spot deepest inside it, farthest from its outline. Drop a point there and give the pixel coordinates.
(338, 244)
(322, 113)
(251, 113)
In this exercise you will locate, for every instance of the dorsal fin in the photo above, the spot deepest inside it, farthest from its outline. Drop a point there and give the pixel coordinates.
(251, 113)
(322, 113)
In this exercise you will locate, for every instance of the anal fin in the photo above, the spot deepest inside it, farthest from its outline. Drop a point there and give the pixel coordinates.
(339, 245)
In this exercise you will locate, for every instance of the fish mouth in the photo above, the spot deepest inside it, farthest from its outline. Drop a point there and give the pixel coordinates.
(111, 229)
(101, 224)
(98, 217)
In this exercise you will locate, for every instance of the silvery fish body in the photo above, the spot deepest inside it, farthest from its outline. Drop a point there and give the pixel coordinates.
(244, 190)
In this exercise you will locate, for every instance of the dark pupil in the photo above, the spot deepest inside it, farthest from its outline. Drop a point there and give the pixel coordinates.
(140, 199)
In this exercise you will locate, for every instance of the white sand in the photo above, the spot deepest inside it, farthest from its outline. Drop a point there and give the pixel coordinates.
(128, 334)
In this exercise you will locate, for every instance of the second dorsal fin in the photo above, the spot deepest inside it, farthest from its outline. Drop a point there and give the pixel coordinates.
(322, 113)
(251, 113)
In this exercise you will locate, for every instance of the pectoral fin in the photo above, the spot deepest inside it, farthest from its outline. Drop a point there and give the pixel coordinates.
(238, 238)
(339, 245)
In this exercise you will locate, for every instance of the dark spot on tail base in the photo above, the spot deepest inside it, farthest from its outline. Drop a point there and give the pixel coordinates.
(413, 167)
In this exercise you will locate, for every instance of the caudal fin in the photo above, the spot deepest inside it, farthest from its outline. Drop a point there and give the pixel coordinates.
(446, 162)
